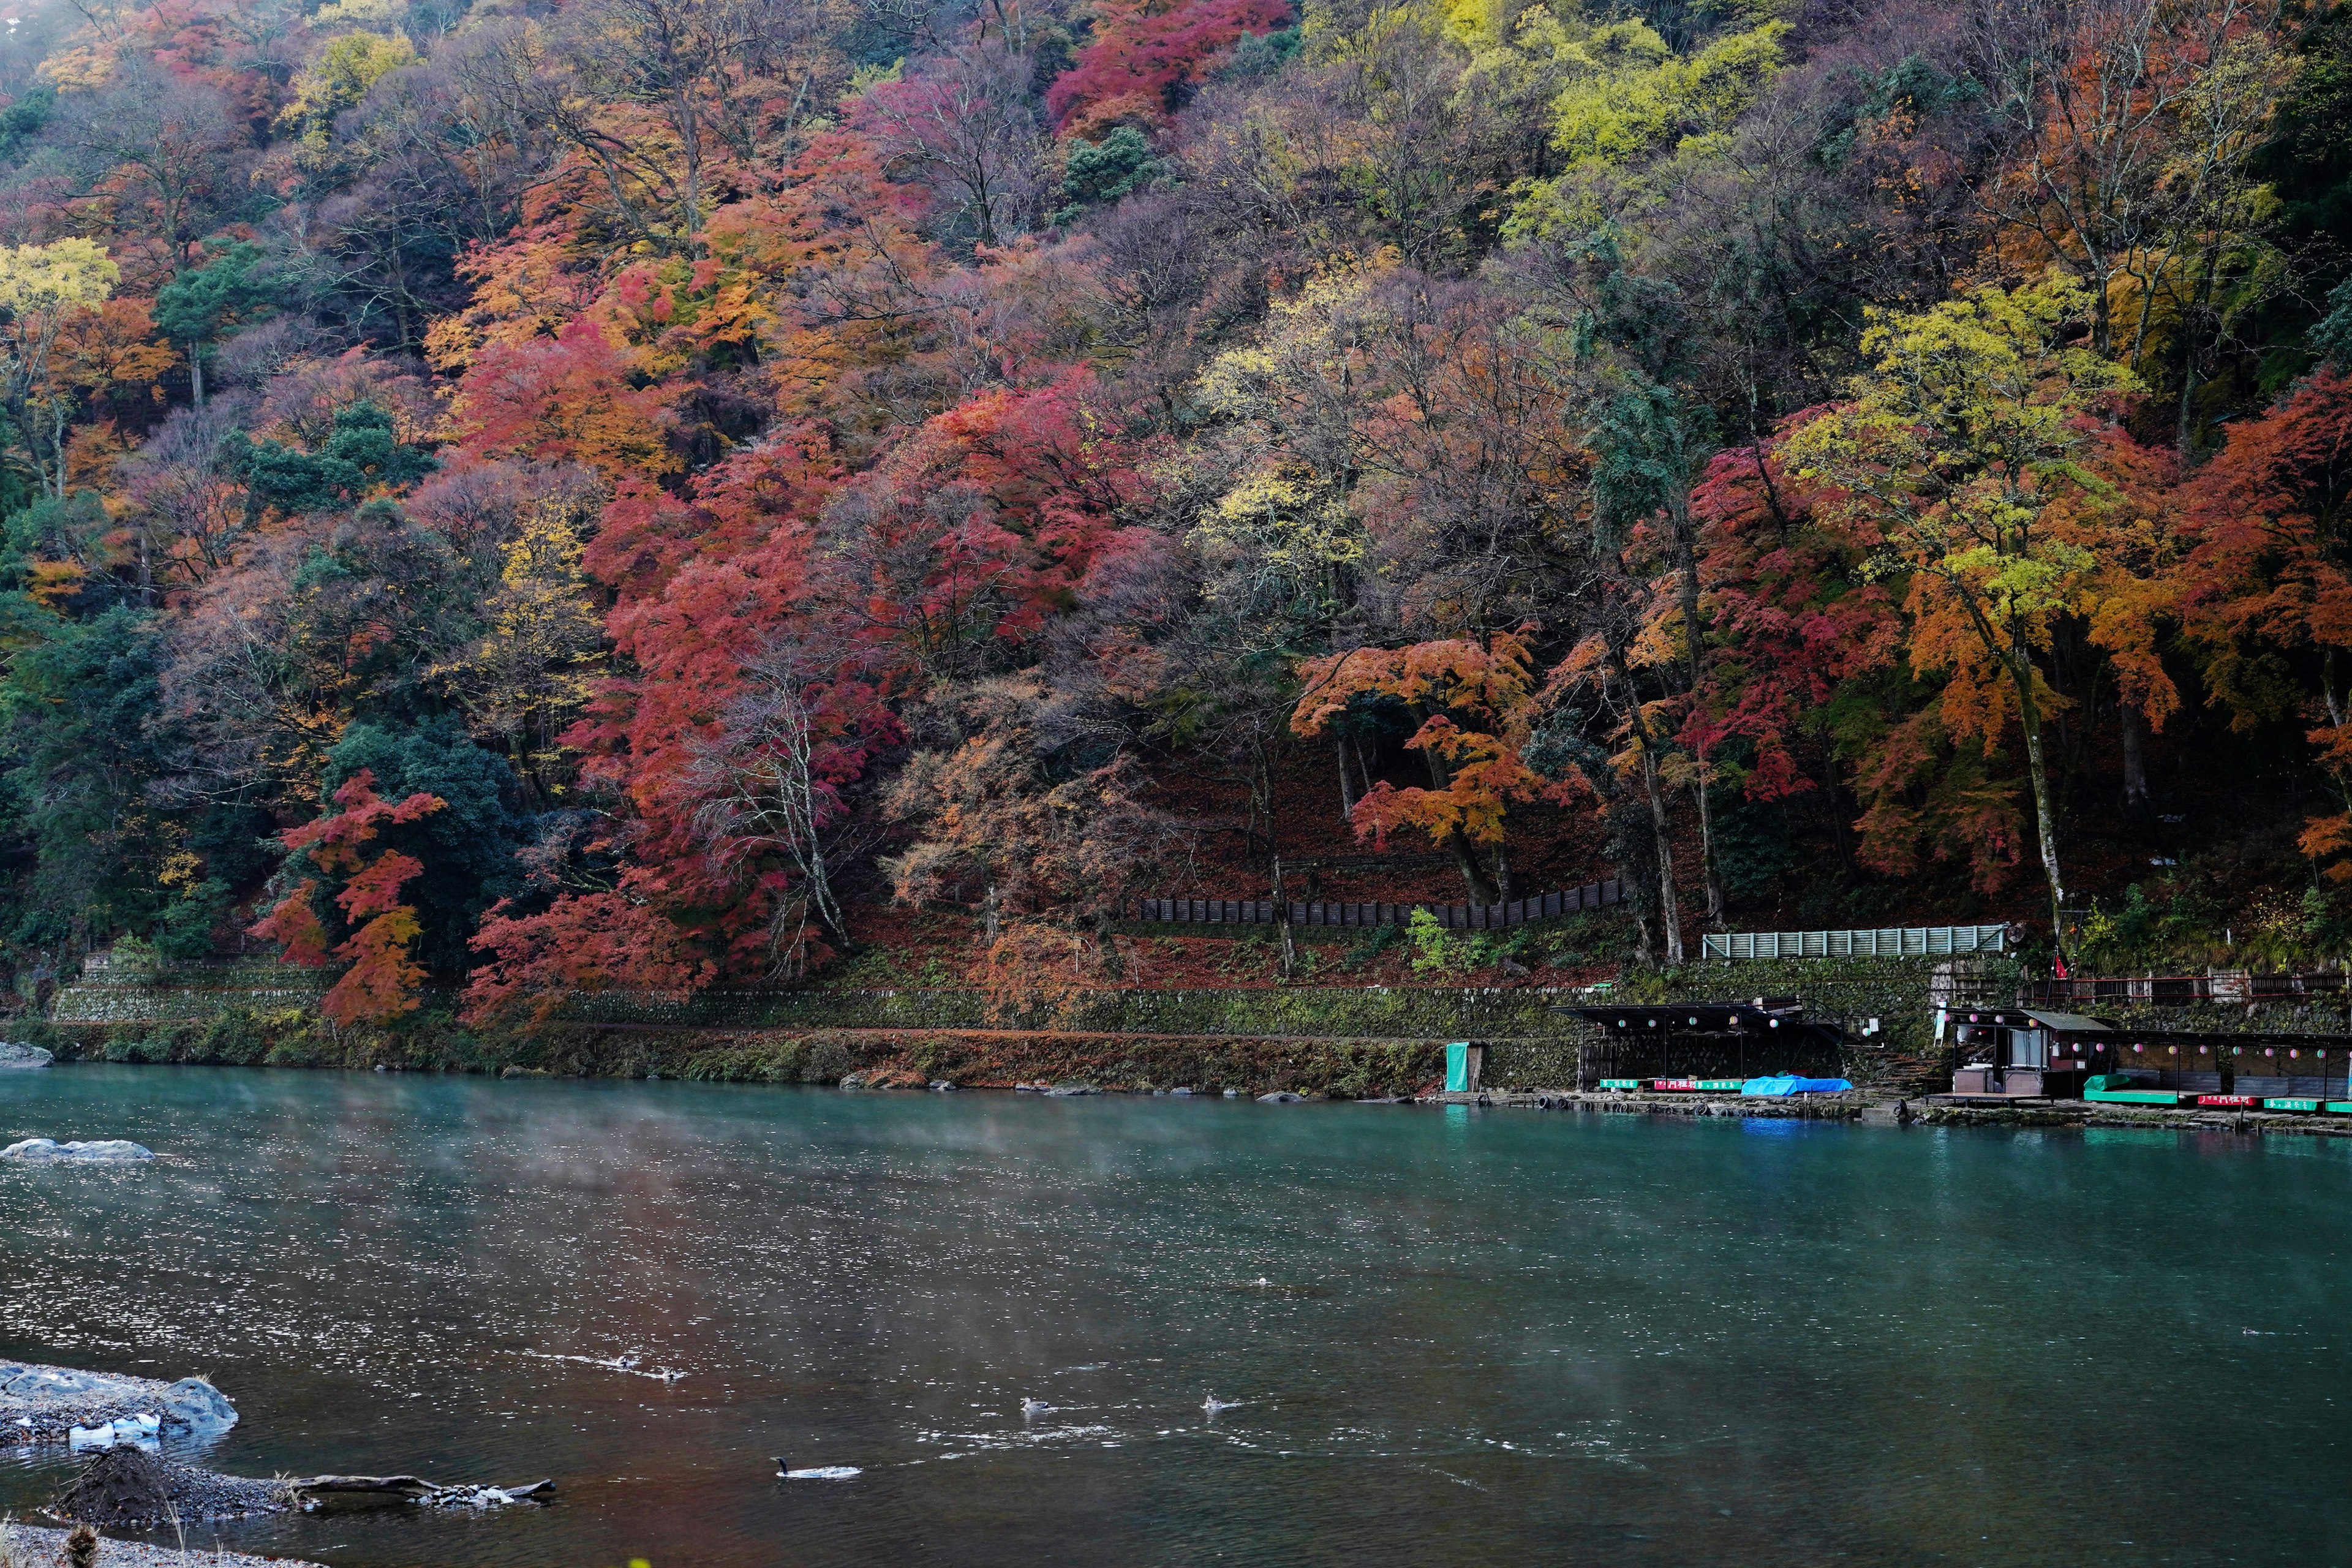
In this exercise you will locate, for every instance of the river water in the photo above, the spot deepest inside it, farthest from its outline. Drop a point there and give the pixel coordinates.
(1457, 1336)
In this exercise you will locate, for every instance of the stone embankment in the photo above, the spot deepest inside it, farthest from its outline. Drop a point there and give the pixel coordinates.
(1852, 1107)
(1883, 1110)
(2081, 1113)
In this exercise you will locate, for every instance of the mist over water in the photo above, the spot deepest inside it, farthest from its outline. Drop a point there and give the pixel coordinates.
(1451, 1336)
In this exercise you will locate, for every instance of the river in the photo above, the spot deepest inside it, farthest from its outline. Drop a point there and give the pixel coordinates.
(1459, 1336)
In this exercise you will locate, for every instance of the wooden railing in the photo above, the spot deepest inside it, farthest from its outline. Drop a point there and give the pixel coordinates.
(2225, 986)
(1598, 895)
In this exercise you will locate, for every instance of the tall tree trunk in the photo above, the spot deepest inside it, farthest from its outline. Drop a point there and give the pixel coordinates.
(1282, 920)
(2045, 814)
(1347, 789)
(2135, 758)
(1475, 876)
(1669, 909)
(1685, 534)
(2190, 319)
(1715, 898)
(197, 369)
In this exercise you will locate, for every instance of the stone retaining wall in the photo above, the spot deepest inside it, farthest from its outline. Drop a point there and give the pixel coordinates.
(188, 992)
(165, 1011)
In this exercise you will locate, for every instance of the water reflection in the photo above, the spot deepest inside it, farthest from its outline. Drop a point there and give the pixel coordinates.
(1479, 1336)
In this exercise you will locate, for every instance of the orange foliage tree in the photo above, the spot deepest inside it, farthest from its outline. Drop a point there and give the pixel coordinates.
(1473, 702)
(2267, 597)
(572, 397)
(381, 983)
(582, 944)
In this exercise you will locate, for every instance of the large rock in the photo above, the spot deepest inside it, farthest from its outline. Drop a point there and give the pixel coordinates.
(100, 1151)
(14, 1056)
(197, 1406)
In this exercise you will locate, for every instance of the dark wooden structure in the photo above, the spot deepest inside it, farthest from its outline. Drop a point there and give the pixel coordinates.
(2036, 1052)
(2227, 987)
(2023, 1053)
(1706, 1040)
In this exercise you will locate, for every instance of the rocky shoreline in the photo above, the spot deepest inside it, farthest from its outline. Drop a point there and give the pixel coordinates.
(39, 1546)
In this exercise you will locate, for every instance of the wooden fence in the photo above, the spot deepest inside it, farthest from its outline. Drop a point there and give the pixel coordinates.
(1600, 895)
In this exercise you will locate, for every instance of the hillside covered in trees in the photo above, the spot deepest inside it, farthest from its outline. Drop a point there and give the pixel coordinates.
(653, 492)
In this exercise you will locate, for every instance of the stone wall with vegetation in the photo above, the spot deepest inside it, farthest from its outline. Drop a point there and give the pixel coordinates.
(195, 991)
(1324, 1039)
(239, 1036)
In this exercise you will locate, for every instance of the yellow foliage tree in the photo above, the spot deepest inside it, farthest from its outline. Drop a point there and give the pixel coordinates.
(338, 78)
(1974, 460)
(529, 675)
(42, 287)
(1631, 98)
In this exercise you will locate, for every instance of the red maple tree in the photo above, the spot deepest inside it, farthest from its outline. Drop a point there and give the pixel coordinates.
(381, 980)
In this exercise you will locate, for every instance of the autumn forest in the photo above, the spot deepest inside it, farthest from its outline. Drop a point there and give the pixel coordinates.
(536, 496)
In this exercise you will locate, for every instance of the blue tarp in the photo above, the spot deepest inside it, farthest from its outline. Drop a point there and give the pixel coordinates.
(1785, 1084)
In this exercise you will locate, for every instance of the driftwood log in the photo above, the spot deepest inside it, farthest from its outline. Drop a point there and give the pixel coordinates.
(370, 1491)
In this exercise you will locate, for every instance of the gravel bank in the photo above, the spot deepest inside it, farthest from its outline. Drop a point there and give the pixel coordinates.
(122, 1488)
(36, 1547)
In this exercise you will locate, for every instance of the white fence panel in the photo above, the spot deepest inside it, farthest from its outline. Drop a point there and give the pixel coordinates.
(1886, 942)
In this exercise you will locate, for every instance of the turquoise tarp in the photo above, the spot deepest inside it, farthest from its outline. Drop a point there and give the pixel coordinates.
(1786, 1084)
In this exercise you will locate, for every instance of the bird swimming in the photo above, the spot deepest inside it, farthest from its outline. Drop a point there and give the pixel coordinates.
(1030, 1408)
(784, 1472)
(1212, 1405)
